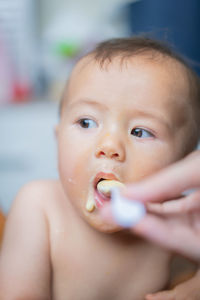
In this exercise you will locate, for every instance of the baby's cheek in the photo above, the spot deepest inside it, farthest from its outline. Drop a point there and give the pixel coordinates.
(149, 162)
(74, 166)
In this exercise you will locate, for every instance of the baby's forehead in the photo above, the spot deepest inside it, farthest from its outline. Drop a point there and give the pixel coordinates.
(166, 92)
(167, 66)
(123, 63)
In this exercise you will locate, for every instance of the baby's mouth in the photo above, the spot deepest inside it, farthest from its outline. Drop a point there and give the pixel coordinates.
(103, 188)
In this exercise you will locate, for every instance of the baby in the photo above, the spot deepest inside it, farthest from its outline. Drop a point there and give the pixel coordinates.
(129, 109)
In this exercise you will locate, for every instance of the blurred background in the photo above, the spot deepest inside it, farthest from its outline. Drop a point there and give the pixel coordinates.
(40, 40)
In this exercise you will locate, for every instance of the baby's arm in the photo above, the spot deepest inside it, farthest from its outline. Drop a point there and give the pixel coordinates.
(25, 253)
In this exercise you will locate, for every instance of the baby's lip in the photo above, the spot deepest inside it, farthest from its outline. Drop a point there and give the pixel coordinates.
(99, 197)
(103, 175)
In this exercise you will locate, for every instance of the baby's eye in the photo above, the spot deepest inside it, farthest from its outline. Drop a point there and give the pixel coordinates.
(87, 123)
(141, 133)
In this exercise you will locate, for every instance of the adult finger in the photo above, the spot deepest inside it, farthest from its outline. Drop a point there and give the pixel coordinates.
(169, 235)
(168, 183)
(180, 206)
(165, 233)
(165, 295)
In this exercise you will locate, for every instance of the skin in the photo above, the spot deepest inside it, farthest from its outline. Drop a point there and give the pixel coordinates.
(49, 222)
(117, 100)
(178, 220)
(169, 221)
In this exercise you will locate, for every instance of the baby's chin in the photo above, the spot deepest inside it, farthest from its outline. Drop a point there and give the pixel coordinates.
(103, 226)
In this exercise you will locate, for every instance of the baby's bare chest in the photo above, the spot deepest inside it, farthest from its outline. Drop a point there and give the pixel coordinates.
(85, 269)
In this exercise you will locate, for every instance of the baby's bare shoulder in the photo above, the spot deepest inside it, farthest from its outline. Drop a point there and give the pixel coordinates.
(41, 187)
(38, 195)
(35, 204)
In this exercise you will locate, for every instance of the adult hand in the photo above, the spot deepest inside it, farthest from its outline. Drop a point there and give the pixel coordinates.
(172, 220)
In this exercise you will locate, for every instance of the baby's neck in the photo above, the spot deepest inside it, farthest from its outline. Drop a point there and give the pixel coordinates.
(122, 238)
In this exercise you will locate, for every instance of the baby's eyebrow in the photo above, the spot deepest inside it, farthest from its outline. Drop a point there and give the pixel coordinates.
(87, 101)
(153, 116)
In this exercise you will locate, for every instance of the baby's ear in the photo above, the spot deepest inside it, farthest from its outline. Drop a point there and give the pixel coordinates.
(56, 129)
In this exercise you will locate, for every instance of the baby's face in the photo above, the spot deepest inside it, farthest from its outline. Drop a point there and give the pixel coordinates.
(120, 123)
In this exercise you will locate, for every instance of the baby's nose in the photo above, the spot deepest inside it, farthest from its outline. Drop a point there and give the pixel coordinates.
(111, 147)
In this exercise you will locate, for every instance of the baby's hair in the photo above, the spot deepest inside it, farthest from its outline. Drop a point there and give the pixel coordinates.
(126, 48)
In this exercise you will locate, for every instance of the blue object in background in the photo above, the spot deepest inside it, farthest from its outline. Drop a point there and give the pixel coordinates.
(174, 21)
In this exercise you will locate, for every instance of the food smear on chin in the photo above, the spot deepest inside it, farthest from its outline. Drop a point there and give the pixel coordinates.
(90, 205)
